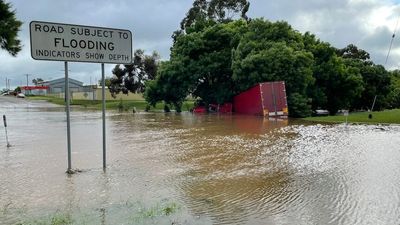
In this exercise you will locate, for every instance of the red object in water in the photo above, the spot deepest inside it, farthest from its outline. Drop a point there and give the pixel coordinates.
(266, 99)
(221, 108)
(200, 109)
(225, 108)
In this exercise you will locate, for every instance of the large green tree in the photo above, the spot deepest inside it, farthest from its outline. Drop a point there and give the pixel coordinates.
(215, 57)
(270, 52)
(337, 84)
(9, 27)
(132, 77)
(376, 78)
(200, 65)
(216, 10)
(394, 95)
(169, 86)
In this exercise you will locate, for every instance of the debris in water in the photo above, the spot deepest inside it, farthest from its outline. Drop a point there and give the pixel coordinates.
(73, 171)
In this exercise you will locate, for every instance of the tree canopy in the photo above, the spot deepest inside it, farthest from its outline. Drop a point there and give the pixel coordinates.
(271, 52)
(216, 56)
(200, 65)
(216, 10)
(36, 81)
(9, 28)
(132, 77)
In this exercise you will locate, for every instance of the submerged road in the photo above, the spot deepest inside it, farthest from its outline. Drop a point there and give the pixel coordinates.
(194, 169)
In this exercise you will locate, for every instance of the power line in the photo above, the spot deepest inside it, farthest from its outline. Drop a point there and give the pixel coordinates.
(391, 41)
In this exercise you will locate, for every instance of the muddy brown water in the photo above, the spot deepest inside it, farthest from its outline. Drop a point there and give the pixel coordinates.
(194, 169)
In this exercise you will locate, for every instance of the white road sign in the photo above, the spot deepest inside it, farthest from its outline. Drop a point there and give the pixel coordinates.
(77, 43)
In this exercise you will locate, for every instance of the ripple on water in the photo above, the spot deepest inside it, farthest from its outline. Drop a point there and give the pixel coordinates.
(227, 169)
(296, 170)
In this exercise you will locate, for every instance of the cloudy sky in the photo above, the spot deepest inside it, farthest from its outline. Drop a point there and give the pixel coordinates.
(368, 24)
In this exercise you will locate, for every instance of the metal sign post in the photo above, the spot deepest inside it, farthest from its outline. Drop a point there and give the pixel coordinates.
(79, 43)
(5, 127)
(67, 109)
(103, 94)
(346, 114)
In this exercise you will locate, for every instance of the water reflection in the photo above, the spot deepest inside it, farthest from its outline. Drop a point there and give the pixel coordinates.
(219, 169)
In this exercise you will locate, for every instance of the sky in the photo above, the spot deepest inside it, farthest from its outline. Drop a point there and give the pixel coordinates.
(369, 24)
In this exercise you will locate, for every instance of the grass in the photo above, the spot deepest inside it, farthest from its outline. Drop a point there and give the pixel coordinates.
(56, 219)
(124, 105)
(387, 117)
(165, 209)
(139, 215)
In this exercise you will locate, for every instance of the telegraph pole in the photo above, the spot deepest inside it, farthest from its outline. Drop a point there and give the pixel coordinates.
(27, 82)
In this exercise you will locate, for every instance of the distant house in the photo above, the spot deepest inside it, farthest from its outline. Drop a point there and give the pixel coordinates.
(58, 85)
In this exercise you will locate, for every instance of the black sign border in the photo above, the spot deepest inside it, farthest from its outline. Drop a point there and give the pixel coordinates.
(36, 21)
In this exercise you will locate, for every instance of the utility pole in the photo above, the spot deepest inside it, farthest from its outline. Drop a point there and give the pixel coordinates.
(27, 82)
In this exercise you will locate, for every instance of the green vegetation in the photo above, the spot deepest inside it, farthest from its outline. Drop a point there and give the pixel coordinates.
(160, 210)
(132, 77)
(9, 27)
(56, 219)
(123, 105)
(387, 116)
(217, 55)
(134, 213)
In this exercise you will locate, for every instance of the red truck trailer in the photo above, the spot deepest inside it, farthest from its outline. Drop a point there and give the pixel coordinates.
(265, 99)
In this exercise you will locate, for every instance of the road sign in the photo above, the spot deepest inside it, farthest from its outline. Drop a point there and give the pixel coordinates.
(77, 43)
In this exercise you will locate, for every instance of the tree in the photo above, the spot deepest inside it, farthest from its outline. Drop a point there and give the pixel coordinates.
(375, 78)
(132, 77)
(215, 10)
(200, 65)
(214, 58)
(394, 95)
(107, 81)
(337, 84)
(341, 83)
(353, 52)
(36, 81)
(9, 28)
(168, 86)
(273, 52)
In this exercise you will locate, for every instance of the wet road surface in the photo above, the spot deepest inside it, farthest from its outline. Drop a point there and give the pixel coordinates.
(194, 169)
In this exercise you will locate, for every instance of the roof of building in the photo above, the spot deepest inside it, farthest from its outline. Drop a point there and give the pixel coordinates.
(62, 80)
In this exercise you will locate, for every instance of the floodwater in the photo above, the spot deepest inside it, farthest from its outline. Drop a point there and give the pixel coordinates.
(194, 169)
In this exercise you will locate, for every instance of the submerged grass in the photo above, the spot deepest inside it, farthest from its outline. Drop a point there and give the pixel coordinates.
(160, 210)
(56, 219)
(137, 213)
(387, 117)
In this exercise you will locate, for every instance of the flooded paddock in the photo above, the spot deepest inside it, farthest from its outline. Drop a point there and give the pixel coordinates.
(194, 169)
